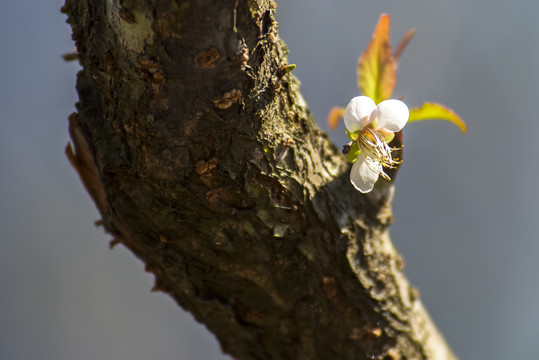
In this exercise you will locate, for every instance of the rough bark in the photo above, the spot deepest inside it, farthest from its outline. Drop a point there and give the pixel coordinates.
(194, 142)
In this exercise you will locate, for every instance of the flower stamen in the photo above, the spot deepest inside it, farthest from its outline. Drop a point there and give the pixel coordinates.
(377, 152)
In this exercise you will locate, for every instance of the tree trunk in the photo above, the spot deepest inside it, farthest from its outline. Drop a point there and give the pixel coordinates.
(194, 142)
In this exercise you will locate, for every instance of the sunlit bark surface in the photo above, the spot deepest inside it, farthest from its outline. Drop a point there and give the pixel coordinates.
(196, 146)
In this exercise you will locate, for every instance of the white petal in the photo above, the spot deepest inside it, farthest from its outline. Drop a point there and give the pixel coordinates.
(392, 115)
(358, 111)
(364, 174)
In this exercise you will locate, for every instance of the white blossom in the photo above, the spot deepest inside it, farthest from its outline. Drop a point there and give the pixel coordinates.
(372, 126)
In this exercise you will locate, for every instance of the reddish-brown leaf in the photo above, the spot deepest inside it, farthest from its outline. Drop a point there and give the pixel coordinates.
(334, 117)
(404, 42)
(377, 69)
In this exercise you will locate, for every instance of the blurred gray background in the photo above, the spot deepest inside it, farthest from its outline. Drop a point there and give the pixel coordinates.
(465, 205)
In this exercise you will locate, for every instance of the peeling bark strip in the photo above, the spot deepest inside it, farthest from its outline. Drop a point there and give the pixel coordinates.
(204, 160)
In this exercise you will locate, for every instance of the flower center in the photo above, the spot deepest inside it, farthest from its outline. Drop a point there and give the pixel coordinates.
(377, 151)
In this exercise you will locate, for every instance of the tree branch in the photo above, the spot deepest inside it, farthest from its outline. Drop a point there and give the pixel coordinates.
(194, 142)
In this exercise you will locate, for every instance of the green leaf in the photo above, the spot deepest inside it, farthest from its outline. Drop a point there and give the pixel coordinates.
(434, 111)
(354, 152)
(289, 68)
(377, 68)
(352, 136)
